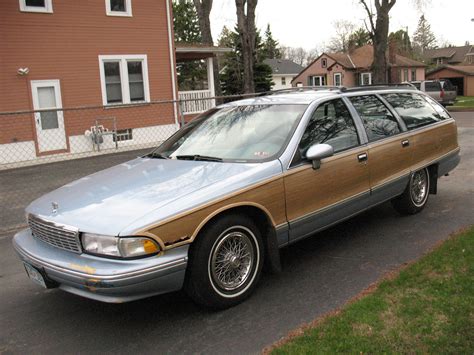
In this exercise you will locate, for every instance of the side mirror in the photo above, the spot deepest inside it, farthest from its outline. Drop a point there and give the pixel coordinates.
(317, 152)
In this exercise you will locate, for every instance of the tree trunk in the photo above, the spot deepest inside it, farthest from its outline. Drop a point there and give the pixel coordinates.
(203, 9)
(379, 34)
(247, 32)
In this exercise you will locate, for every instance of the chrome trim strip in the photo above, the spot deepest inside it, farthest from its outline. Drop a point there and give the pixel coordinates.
(324, 209)
(391, 180)
(117, 277)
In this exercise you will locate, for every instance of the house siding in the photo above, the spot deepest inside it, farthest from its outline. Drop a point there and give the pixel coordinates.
(312, 70)
(66, 45)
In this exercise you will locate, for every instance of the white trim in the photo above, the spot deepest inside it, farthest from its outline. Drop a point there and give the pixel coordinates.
(362, 78)
(123, 59)
(57, 135)
(48, 7)
(172, 59)
(340, 80)
(321, 79)
(126, 13)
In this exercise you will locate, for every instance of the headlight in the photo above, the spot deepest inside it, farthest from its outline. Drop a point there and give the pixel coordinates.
(118, 247)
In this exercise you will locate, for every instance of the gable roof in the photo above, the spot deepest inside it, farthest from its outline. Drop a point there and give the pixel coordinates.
(361, 58)
(283, 66)
(463, 69)
(453, 54)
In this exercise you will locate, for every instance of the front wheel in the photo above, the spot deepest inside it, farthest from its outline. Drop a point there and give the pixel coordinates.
(225, 262)
(415, 196)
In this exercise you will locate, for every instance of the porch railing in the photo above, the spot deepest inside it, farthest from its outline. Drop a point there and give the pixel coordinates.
(196, 101)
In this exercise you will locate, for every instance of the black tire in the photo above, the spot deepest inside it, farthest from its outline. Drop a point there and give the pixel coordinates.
(219, 274)
(413, 200)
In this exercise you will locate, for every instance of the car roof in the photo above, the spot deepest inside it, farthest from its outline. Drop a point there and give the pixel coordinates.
(307, 95)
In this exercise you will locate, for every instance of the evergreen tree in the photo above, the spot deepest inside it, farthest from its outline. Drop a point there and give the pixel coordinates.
(402, 42)
(191, 75)
(232, 80)
(270, 48)
(423, 37)
(359, 38)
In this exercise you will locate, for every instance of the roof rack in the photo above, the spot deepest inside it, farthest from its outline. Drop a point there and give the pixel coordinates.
(380, 87)
(308, 88)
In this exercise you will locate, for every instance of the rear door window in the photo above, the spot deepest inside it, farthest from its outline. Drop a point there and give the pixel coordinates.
(413, 109)
(377, 119)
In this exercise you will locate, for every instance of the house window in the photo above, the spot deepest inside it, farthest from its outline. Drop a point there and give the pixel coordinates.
(283, 80)
(405, 75)
(123, 135)
(319, 80)
(324, 63)
(439, 61)
(413, 74)
(124, 79)
(366, 79)
(36, 6)
(118, 7)
(469, 58)
(337, 79)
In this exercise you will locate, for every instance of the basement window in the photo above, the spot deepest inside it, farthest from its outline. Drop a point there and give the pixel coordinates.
(123, 135)
(36, 6)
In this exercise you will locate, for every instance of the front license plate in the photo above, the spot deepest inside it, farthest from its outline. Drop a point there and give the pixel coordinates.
(35, 275)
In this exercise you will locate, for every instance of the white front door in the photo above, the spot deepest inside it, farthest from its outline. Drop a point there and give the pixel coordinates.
(337, 79)
(49, 124)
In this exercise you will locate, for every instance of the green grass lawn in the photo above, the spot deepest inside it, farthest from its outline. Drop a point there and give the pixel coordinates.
(427, 308)
(464, 101)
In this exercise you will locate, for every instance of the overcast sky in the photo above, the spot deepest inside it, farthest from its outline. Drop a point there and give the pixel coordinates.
(309, 23)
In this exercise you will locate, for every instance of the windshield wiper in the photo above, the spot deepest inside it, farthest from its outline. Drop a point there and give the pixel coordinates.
(156, 156)
(198, 157)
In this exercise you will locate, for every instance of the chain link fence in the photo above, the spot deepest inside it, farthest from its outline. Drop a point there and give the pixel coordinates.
(43, 150)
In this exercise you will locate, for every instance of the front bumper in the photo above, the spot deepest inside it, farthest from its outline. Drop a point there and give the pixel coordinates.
(102, 279)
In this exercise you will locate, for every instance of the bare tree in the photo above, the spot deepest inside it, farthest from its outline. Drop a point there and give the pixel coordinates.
(378, 30)
(299, 55)
(340, 41)
(203, 9)
(247, 32)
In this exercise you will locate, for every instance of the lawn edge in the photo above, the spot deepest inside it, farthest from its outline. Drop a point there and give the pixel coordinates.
(387, 276)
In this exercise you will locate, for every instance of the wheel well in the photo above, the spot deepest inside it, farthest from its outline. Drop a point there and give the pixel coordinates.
(266, 229)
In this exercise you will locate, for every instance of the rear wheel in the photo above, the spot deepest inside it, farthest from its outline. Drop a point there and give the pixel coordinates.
(225, 262)
(415, 196)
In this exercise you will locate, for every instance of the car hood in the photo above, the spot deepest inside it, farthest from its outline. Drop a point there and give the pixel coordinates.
(110, 200)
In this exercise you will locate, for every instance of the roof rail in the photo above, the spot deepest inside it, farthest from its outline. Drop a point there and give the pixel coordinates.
(308, 88)
(381, 87)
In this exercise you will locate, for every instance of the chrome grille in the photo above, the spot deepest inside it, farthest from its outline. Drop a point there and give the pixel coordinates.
(60, 236)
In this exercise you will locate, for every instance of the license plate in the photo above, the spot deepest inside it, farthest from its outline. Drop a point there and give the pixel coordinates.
(35, 275)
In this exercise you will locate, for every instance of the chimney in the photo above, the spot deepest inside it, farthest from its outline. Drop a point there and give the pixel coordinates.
(392, 52)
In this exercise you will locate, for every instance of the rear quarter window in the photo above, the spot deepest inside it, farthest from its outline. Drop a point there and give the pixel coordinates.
(413, 109)
(432, 86)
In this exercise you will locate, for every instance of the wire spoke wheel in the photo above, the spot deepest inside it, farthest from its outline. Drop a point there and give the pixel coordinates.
(419, 187)
(232, 259)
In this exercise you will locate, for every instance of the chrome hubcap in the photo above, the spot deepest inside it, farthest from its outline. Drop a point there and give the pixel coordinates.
(419, 188)
(232, 260)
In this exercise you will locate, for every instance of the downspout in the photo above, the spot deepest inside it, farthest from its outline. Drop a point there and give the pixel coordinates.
(172, 60)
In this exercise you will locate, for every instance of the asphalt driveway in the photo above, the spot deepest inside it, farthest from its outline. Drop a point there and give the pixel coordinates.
(319, 274)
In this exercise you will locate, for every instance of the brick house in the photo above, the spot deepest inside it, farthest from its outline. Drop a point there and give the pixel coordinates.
(105, 53)
(354, 68)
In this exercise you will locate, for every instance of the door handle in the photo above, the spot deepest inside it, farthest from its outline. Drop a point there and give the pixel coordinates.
(405, 143)
(362, 157)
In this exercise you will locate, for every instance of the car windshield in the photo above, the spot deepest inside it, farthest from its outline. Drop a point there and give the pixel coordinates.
(240, 133)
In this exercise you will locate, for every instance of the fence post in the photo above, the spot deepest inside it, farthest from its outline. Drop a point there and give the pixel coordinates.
(181, 113)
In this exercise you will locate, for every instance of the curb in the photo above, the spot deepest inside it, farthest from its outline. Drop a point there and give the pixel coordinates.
(460, 109)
